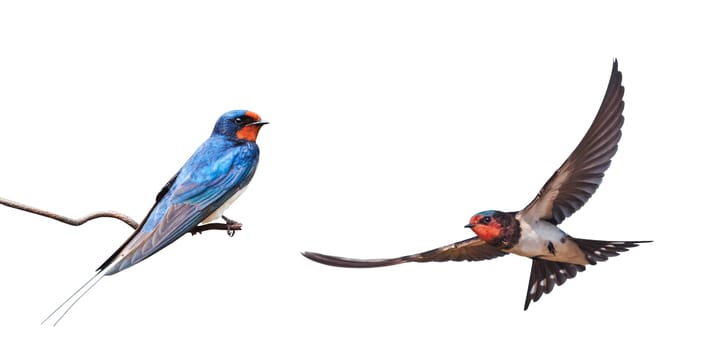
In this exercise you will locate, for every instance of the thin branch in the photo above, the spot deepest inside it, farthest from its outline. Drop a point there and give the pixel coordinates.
(230, 226)
(66, 220)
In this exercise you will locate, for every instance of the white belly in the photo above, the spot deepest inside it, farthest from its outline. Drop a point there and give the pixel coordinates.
(536, 237)
(219, 211)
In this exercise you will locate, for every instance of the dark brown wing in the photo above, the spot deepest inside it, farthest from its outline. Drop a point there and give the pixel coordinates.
(473, 249)
(580, 175)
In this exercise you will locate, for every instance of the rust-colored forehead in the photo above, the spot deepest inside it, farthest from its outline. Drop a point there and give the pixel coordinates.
(253, 115)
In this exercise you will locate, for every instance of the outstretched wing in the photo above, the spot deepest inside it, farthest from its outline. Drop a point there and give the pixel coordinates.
(545, 274)
(473, 249)
(580, 175)
(201, 187)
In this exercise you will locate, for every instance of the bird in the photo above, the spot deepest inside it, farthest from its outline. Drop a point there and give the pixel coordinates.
(205, 186)
(533, 232)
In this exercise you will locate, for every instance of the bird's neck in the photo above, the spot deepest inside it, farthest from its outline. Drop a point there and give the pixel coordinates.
(510, 231)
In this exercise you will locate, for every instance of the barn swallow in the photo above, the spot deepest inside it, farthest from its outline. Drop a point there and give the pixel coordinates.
(207, 184)
(533, 232)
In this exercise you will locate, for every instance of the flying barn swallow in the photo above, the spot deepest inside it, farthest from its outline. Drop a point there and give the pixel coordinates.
(533, 232)
(207, 184)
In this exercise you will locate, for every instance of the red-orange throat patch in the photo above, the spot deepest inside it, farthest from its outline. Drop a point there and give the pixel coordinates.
(249, 132)
(487, 232)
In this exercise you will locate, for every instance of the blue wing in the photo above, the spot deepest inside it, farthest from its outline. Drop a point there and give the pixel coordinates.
(209, 178)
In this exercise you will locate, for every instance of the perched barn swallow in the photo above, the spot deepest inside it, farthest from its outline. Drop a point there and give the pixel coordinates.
(533, 232)
(210, 181)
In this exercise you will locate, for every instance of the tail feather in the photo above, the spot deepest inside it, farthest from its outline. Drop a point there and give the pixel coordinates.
(598, 251)
(66, 306)
(545, 274)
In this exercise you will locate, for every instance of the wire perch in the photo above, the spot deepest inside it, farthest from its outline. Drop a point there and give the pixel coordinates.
(230, 226)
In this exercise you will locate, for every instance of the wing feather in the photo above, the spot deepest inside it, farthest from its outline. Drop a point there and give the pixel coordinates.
(473, 249)
(571, 186)
(200, 188)
(159, 196)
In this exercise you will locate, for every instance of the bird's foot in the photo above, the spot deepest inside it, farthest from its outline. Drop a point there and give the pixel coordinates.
(232, 226)
(197, 230)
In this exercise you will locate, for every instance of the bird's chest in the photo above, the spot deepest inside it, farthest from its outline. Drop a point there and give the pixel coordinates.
(546, 241)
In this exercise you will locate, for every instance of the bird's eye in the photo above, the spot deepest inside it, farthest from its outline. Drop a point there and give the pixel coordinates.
(486, 220)
(238, 120)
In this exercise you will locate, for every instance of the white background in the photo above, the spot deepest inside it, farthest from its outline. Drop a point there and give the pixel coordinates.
(391, 124)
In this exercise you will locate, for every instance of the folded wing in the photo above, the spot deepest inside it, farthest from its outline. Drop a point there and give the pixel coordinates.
(201, 187)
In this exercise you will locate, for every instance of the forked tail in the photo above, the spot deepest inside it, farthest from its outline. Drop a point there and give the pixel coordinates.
(66, 306)
(598, 251)
(545, 274)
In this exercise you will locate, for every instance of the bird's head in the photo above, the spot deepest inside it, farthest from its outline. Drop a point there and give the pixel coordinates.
(486, 224)
(239, 124)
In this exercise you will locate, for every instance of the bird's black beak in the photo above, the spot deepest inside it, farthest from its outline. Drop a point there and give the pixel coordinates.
(469, 225)
(261, 122)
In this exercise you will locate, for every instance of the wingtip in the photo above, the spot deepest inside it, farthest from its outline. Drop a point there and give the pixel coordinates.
(326, 259)
(320, 258)
(311, 255)
(526, 303)
(338, 261)
(615, 71)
